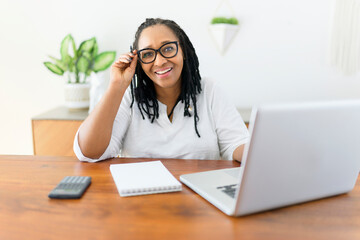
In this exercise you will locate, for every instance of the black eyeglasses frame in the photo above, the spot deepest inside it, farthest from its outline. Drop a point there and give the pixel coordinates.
(158, 51)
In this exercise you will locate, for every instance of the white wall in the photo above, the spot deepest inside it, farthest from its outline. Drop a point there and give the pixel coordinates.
(279, 54)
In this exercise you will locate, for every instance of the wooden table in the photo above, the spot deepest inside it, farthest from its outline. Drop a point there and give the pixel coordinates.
(27, 213)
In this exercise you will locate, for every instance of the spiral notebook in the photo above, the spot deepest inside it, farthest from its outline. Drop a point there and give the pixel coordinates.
(133, 179)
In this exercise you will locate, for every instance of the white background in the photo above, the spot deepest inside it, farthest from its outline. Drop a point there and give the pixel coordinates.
(281, 52)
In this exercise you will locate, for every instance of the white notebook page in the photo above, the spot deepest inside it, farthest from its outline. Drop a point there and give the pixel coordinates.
(143, 178)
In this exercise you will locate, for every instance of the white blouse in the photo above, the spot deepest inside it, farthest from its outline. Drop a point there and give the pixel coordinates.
(220, 126)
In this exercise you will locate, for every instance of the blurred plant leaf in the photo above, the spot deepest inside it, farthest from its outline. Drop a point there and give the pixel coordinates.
(95, 50)
(74, 47)
(64, 48)
(60, 63)
(87, 55)
(54, 68)
(219, 20)
(103, 61)
(87, 46)
(82, 64)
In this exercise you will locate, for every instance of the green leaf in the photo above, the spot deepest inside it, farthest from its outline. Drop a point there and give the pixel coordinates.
(74, 47)
(232, 20)
(60, 63)
(104, 60)
(72, 67)
(64, 49)
(87, 55)
(87, 46)
(217, 20)
(55, 69)
(68, 60)
(95, 50)
(82, 64)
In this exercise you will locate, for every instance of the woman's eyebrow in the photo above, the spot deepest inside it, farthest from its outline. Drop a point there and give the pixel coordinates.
(163, 42)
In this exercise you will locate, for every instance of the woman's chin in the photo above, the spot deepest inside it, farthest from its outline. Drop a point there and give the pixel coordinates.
(167, 83)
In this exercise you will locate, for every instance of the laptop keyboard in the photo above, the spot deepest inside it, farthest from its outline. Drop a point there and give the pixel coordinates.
(229, 189)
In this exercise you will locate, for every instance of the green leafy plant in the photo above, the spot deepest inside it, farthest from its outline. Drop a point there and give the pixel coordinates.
(82, 61)
(218, 20)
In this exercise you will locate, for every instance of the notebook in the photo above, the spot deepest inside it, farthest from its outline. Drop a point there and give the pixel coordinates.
(133, 179)
(297, 152)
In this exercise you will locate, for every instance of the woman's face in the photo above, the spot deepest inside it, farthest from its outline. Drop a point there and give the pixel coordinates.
(164, 72)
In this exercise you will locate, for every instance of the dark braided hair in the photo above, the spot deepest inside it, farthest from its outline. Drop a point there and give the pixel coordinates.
(142, 87)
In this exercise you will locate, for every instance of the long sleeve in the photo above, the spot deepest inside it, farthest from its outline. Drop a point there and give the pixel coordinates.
(121, 123)
(230, 127)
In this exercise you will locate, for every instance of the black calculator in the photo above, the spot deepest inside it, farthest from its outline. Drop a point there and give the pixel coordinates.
(71, 187)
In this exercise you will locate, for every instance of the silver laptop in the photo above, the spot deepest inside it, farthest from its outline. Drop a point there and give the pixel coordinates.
(296, 153)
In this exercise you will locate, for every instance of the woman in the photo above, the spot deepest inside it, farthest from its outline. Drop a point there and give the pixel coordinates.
(158, 106)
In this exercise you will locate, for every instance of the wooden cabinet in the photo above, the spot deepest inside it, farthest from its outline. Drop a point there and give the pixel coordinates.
(54, 131)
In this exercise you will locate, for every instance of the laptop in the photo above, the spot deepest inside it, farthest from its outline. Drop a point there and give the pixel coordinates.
(297, 152)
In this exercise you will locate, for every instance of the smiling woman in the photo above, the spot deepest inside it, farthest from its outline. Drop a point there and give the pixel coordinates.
(163, 69)
(176, 113)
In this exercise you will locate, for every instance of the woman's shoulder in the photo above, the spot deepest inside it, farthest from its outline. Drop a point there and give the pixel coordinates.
(126, 100)
(209, 86)
(127, 95)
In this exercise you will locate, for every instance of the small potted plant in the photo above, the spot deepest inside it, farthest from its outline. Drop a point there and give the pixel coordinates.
(78, 67)
(224, 20)
(223, 30)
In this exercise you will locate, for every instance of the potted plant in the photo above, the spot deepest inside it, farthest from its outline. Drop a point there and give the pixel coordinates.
(78, 67)
(224, 20)
(223, 30)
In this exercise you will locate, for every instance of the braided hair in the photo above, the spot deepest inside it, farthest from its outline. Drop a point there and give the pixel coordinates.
(143, 89)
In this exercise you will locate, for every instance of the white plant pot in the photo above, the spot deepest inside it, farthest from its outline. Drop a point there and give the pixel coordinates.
(223, 35)
(77, 96)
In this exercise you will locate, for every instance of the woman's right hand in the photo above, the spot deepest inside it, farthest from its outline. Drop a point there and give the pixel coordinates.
(123, 69)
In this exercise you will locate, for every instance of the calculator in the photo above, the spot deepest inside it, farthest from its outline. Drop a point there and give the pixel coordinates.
(70, 187)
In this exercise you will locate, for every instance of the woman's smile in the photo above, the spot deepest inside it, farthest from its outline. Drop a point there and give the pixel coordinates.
(164, 72)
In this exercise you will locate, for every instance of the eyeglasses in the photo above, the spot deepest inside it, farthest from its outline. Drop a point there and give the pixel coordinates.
(168, 50)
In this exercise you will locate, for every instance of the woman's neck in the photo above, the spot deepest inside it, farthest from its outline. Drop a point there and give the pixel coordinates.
(168, 96)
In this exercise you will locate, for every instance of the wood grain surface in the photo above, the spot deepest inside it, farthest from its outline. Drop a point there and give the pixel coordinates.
(27, 213)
